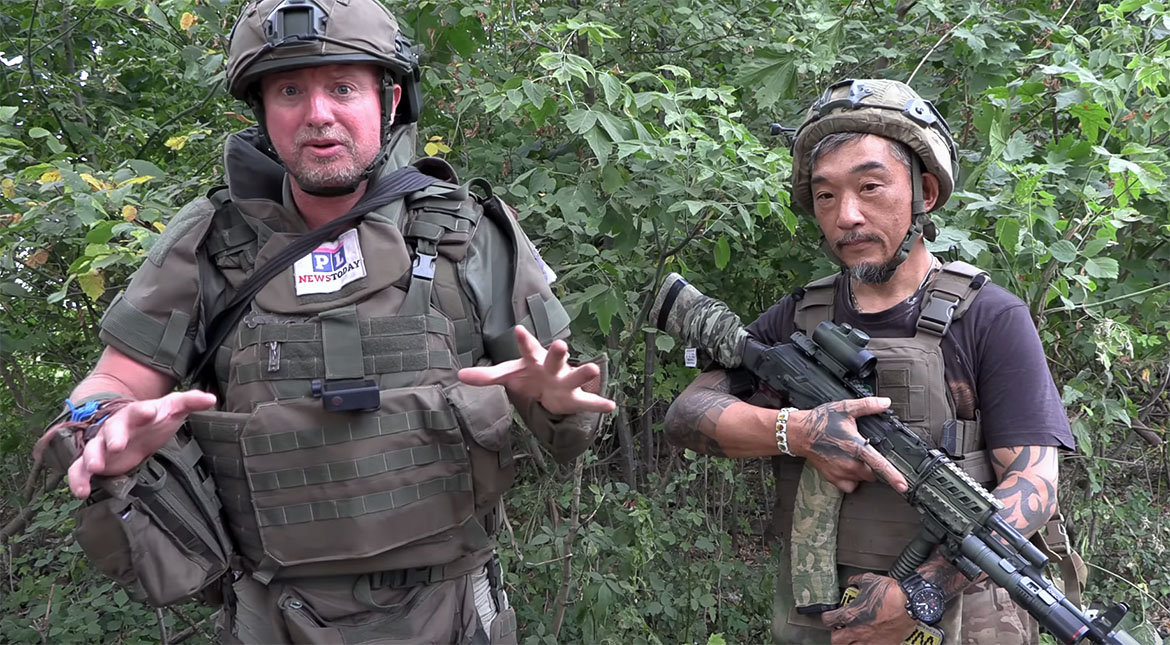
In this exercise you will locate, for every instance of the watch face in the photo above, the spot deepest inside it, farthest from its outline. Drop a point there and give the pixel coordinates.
(927, 605)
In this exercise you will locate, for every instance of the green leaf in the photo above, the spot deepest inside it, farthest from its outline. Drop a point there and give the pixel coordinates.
(38, 133)
(716, 639)
(604, 309)
(722, 253)
(7, 112)
(155, 14)
(614, 127)
(771, 82)
(1063, 251)
(580, 121)
(611, 86)
(663, 342)
(535, 93)
(1093, 119)
(1007, 231)
(599, 143)
(1101, 268)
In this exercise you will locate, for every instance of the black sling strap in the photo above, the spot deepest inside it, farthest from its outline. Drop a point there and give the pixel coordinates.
(389, 189)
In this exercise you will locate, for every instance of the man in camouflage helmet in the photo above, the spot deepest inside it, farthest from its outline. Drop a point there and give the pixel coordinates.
(959, 361)
(359, 469)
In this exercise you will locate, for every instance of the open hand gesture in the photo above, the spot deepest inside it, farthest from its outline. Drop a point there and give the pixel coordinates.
(543, 375)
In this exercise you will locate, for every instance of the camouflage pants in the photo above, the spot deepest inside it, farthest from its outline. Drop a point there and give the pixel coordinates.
(314, 610)
(983, 614)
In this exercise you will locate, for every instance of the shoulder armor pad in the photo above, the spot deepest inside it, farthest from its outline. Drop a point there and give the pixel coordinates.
(188, 218)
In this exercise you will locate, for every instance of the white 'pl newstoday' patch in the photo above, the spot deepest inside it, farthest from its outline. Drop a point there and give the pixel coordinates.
(331, 266)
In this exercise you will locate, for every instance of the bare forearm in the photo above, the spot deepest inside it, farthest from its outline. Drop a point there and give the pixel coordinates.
(117, 373)
(707, 419)
(1027, 489)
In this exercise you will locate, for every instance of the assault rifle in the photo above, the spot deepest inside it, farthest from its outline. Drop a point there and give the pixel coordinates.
(959, 515)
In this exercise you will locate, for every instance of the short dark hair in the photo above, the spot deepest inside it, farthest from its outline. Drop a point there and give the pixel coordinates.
(901, 151)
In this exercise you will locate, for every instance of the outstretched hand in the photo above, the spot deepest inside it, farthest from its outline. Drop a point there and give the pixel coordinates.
(131, 435)
(544, 375)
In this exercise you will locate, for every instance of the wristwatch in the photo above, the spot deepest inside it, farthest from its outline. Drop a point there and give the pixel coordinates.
(924, 601)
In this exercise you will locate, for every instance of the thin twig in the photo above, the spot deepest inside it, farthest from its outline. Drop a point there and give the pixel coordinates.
(1098, 303)
(922, 62)
(166, 124)
(562, 601)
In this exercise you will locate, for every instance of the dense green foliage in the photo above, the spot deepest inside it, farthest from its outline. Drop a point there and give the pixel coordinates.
(632, 138)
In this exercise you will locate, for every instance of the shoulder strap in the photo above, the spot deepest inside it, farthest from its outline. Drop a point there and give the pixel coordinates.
(390, 188)
(815, 303)
(949, 296)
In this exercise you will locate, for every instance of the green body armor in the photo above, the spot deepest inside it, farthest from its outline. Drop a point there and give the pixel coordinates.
(309, 491)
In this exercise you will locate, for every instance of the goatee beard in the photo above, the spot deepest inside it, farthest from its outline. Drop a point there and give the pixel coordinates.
(311, 177)
(870, 273)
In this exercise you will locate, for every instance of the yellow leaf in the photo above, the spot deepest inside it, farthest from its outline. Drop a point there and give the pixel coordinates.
(431, 149)
(160, 227)
(37, 259)
(93, 284)
(188, 20)
(136, 180)
(1146, 375)
(52, 175)
(8, 188)
(176, 143)
(129, 213)
(92, 181)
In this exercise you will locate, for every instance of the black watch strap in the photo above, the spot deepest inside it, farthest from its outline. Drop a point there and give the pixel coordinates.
(922, 594)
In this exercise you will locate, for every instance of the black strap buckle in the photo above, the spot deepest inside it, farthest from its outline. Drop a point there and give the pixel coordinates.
(937, 313)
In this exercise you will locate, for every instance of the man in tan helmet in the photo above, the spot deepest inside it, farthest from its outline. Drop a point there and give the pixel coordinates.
(357, 327)
(959, 361)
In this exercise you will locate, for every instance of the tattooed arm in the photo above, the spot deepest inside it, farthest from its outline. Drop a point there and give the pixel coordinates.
(1027, 487)
(1028, 478)
(708, 419)
(696, 420)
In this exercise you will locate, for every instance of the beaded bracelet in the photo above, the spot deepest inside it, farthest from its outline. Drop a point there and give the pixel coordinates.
(782, 430)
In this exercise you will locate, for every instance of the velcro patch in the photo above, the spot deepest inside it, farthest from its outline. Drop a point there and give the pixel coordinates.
(331, 266)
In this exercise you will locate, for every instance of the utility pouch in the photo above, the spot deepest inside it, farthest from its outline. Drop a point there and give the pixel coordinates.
(157, 532)
(485, 417)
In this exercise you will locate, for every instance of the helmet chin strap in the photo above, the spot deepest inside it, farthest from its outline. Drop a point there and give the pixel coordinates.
(920, 222)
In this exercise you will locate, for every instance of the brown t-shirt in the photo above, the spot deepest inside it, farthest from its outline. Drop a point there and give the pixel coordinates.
(993, 361)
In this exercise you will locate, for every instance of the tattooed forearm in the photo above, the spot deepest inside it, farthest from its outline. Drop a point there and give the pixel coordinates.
(944, 575)
(1027, 485)
(694, 415)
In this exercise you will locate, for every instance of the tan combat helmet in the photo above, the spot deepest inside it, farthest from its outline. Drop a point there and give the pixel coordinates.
(277, 35)
(892, 110)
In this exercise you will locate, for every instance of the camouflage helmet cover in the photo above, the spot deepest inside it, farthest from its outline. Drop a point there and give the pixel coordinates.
(882, 107)
(277, 35)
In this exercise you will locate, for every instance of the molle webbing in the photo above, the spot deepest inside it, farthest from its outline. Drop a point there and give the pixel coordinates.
(363, 427)
(363, 505)
(393, 363)
(354, 468)
(369, 328)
